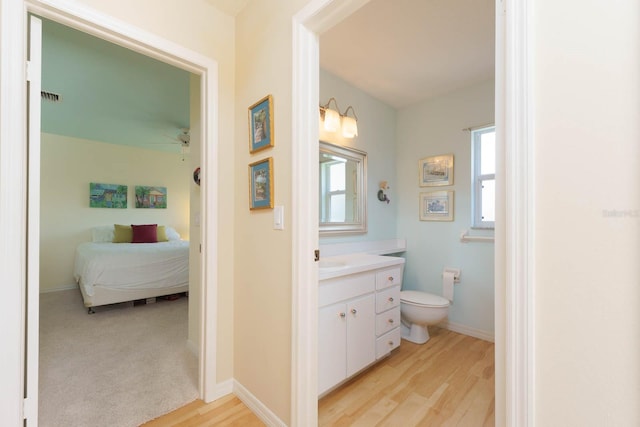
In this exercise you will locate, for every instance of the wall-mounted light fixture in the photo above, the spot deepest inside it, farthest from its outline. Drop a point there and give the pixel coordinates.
(332, 119)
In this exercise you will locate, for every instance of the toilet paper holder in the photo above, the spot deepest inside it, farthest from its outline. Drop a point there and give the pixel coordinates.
(456, 273)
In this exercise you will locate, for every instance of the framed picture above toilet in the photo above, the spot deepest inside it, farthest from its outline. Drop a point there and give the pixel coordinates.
(437, 206)
(436, 170)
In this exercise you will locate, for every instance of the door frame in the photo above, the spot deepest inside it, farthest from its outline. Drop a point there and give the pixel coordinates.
(514, 234)
(13, 179)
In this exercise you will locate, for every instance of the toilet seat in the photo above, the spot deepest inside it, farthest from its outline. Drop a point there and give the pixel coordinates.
(423, 299)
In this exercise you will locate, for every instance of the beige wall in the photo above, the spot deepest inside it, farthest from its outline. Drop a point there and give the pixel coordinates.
(68, 165)
(262, 300)
(198, 26)
(587, 209)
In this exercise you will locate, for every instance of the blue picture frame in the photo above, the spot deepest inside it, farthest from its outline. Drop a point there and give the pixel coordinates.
(261, 184)
(261, 125)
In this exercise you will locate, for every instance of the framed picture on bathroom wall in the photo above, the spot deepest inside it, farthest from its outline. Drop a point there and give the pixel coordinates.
(261, 125)
(436, 206)
(261, 184)
(436, 170)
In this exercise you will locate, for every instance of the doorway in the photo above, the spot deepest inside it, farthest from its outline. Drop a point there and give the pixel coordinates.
(110, 96)
(142, 42)
(514, 338)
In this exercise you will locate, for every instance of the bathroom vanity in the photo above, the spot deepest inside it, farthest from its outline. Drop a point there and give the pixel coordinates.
(358, 314)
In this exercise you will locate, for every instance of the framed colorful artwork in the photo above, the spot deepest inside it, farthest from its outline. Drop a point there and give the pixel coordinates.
(261, 125)
(113, 196)
(261, 184)
(151, 197)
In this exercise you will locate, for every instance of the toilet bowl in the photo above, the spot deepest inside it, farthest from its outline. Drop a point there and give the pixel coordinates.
(417, 311)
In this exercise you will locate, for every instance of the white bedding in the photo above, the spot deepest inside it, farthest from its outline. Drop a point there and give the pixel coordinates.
(131, 265)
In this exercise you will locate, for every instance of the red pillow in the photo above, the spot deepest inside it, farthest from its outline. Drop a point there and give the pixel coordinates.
(146, 233)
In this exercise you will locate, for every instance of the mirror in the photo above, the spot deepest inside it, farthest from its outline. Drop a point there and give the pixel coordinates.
(343, 188)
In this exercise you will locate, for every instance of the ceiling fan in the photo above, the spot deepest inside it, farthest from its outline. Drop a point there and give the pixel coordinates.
(183, 139)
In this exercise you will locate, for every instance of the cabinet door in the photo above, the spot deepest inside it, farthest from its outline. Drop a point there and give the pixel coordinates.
(332, 341)
(361, 334)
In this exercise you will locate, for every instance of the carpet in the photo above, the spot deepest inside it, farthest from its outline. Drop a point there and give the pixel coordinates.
(119, 367)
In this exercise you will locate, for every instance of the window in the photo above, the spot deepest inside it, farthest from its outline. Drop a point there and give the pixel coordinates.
(483, 195)
(333, 182)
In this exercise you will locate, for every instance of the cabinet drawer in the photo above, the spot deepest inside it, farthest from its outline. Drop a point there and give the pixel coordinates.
(388, 320)
(343, 288)
(387, 342)
(387, 299)
(389, 277)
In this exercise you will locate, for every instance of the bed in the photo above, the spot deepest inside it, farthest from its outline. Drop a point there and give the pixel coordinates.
(109, 273)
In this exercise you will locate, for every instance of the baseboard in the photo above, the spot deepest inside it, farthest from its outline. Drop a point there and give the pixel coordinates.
(466, 330)
(257, 407)
(222, 389)
(62, 288)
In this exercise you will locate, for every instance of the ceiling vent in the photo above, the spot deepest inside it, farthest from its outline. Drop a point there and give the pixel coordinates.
(50, 96)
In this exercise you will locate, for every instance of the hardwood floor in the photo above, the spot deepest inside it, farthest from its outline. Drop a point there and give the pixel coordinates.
(226, 411)
(449, 381)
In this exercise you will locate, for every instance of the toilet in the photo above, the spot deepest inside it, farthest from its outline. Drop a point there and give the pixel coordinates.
(417, 311)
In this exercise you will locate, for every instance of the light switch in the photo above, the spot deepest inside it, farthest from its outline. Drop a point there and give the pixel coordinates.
(278, 218)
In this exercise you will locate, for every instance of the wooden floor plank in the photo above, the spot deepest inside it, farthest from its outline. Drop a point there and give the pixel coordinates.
(226, 411)
(376, 413)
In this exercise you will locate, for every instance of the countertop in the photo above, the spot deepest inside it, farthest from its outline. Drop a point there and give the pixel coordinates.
(343, 265)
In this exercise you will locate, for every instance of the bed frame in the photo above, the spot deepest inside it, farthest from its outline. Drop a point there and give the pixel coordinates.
(104, 295)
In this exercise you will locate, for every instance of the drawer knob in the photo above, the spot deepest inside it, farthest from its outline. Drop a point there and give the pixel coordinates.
(390, 299)
(390, 343)
(354, 311)
(390, 321)
(343, 315)
(390, 278)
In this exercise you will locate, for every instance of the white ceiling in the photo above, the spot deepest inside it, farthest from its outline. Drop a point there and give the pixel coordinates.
(405, 51)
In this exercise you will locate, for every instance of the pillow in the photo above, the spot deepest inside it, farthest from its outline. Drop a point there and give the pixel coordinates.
(172, 234)
(146, 233)
(162, 234)
(122, 234)
(102, 234)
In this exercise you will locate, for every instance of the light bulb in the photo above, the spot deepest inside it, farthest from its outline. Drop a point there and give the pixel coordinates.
(349, 127)
(331, 120)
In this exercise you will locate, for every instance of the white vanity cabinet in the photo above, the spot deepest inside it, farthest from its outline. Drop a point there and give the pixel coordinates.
(358, 322)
